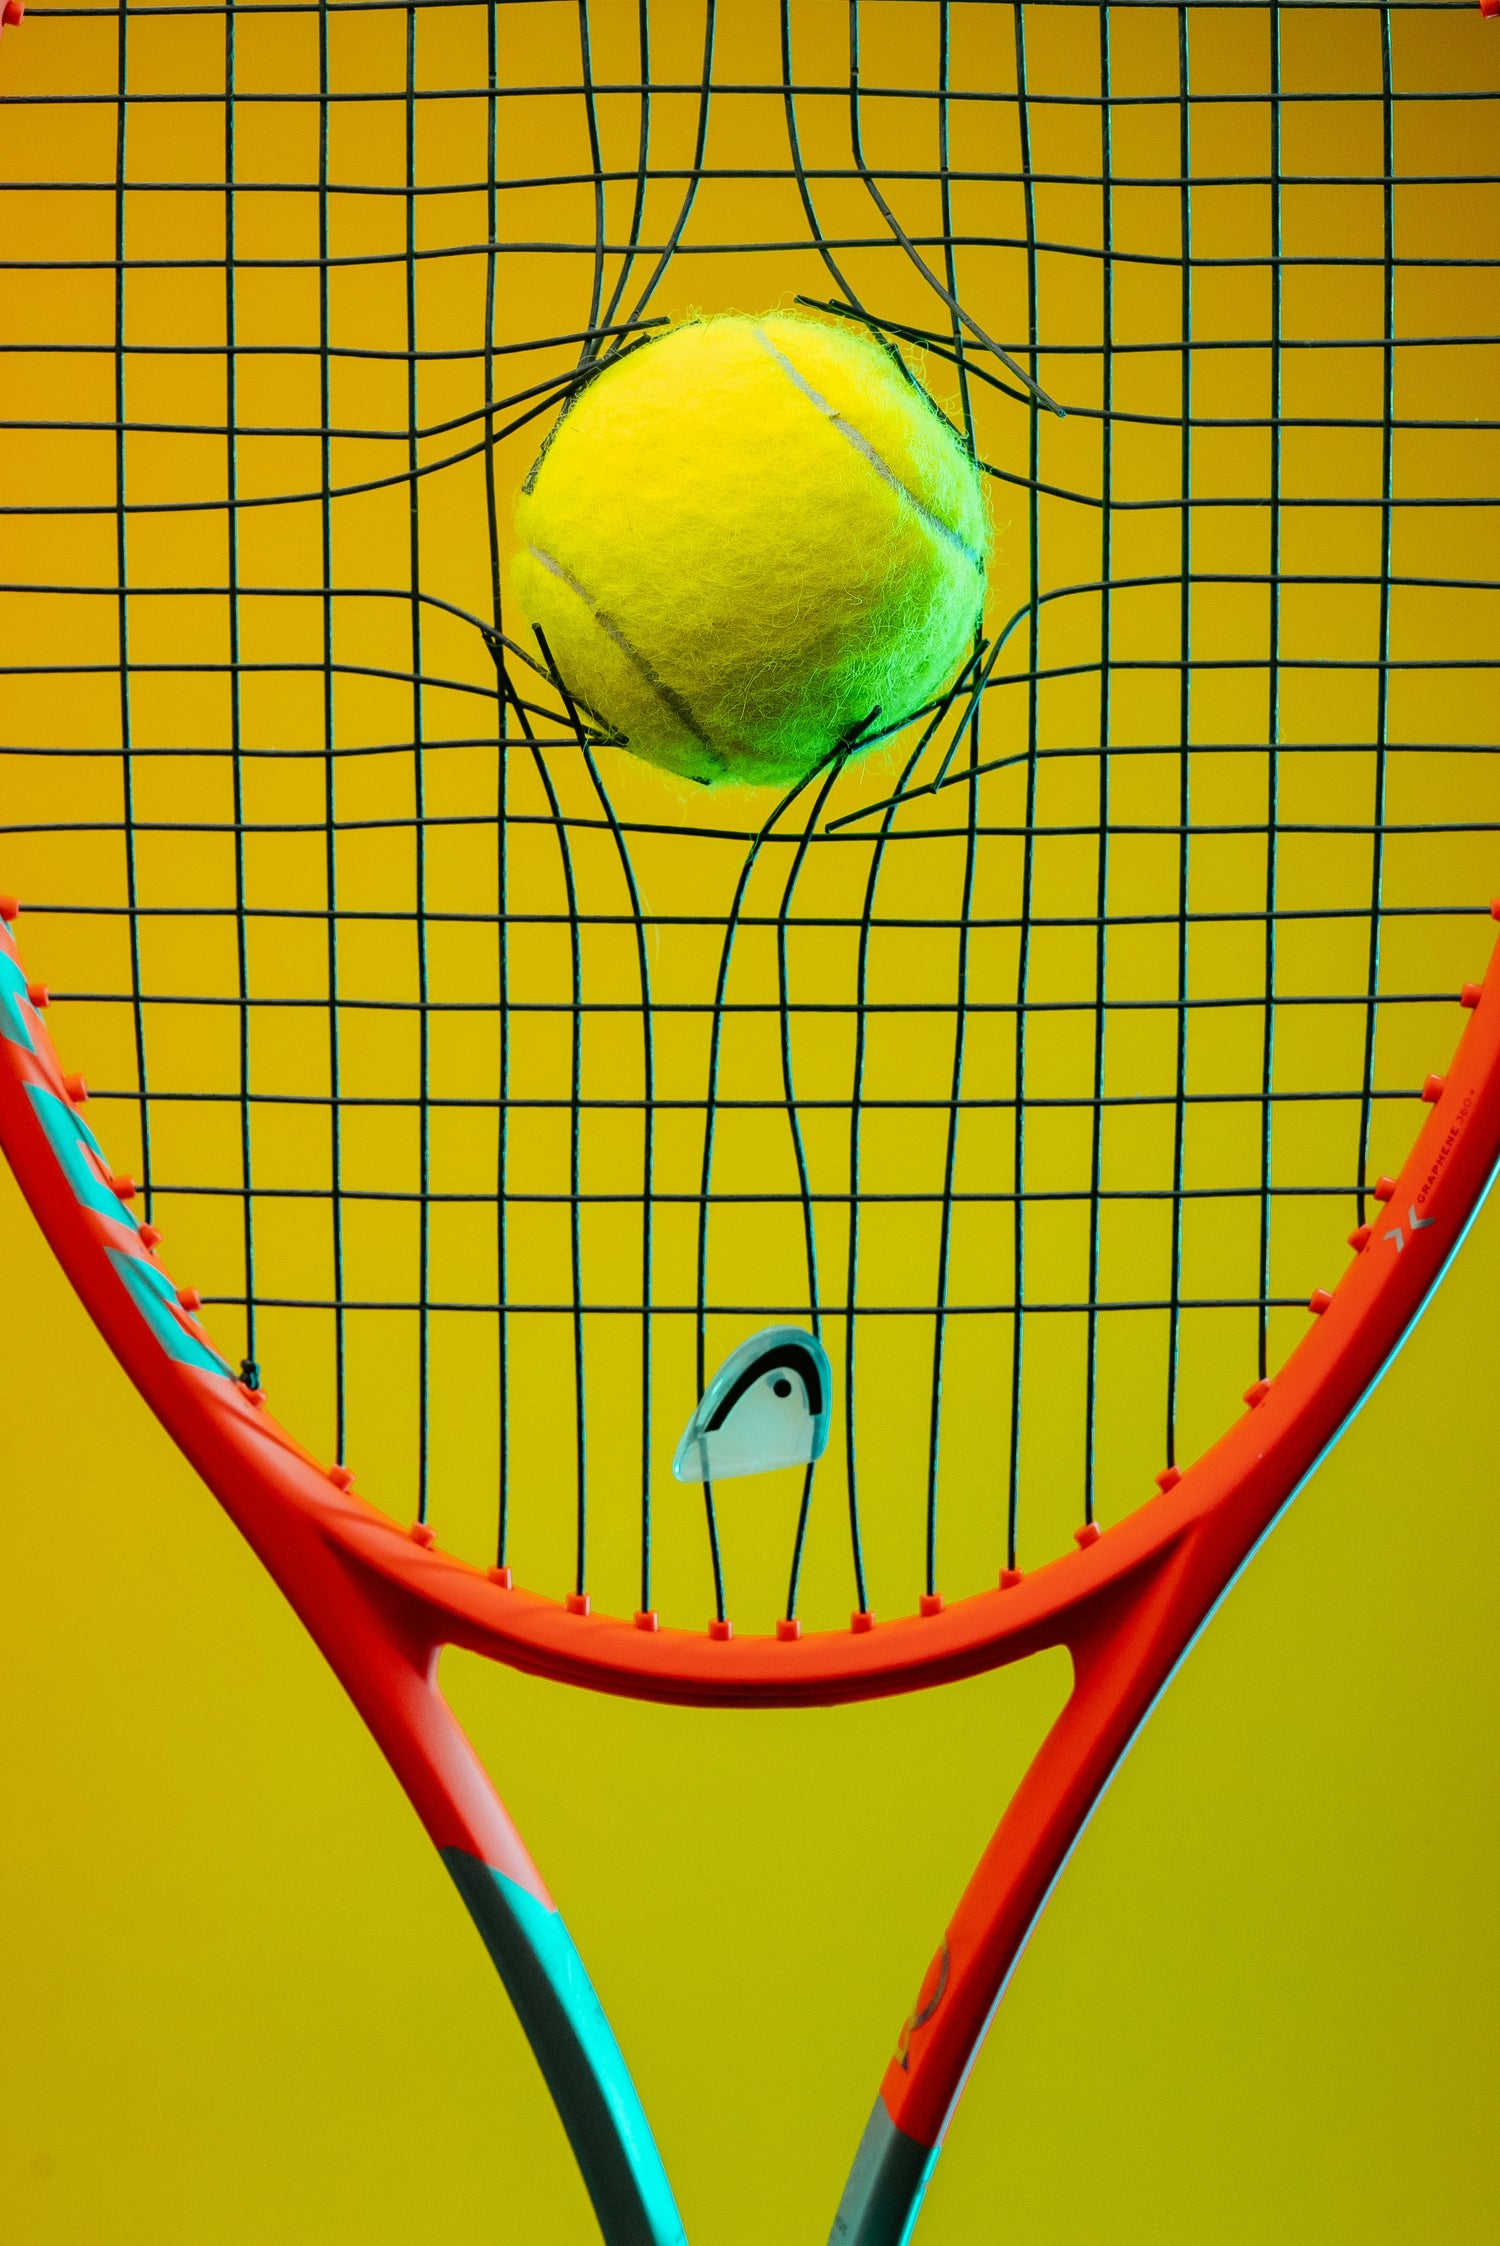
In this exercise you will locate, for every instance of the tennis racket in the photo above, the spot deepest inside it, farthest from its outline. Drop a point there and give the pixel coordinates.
(754, 1251)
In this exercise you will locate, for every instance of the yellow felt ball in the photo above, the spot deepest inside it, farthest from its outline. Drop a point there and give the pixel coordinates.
(745, 539)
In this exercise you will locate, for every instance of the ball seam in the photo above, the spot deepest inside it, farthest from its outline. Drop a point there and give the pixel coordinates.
(666, 695)
(862, 445)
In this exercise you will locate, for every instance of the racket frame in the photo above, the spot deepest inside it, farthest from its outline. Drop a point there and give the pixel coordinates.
(381, 1602)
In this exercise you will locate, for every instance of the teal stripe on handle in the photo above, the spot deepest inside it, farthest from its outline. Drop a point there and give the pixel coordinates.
(576, 2050)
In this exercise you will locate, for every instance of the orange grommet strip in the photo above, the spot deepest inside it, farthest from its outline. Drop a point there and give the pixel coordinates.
(1434, 1087)
(788, 1629)
(577, 1602)
(1383, 1188)
(1009, 1578)
(721, 1632)
(1168, 1478)
(1359, 1238)
(500, 1577)
(149, 1236)
(1489, 7)
(1257, 1393)
(1318, 1301)
(190, 1298)
(13, 11)
(1471, 993)
(861, 1620)
(123, 1187)
(9, 907)
(644, 1618)
(420, 1533)
(341, 1476)
(76, 1089)
(1087, 1535)
(931, 1602)
(39, 995)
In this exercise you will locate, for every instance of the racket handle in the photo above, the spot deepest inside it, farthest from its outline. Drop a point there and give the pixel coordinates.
(885, 2187)
(575, 2048)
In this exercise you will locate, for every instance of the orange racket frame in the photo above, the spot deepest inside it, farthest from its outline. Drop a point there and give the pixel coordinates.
(381, 1602)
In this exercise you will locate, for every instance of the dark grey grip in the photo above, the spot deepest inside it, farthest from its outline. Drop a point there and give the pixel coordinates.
(884, 2193)
(576, 2050)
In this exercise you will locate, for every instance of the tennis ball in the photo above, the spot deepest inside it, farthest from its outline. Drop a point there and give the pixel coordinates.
(743, 539)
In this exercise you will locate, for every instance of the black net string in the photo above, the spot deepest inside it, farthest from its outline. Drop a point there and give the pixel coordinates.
(1040, 1052)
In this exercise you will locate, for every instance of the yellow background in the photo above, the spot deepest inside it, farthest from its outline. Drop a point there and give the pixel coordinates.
(240, 2001)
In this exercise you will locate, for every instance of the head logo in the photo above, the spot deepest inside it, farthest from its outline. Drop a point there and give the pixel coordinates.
(937, 1979)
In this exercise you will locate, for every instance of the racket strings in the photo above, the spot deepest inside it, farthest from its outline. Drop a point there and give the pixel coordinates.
(1039, 1063)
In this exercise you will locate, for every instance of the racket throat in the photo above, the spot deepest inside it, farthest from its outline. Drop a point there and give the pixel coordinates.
(1125, 1646)
(575, 2047)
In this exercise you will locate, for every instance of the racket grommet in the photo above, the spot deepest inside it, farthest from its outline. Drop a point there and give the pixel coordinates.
(1434, 1087)
(500, 1576)
(931, 1602)
(788, 1629)
(1009, 1578)
(1087, 1535)
(647, 1618)
(420, 1533)
(341, 1476)
(190, 1299)
(1257, 1393)
(1470, 995)
(1359, 1238)
(14, 10)
(1318, 1301)
(576, 1602)
(861, 1620)
(76, 1089)
(9, 907)
(123, 1187)
(148, 1236)
(41, 997)
(1168, 1478)
(721, 1632)
(1383, 1188)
